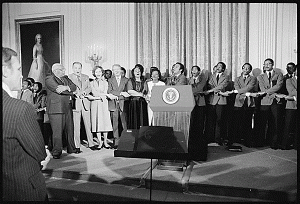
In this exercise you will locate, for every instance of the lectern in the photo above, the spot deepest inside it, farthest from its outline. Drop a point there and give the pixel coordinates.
(172, 107)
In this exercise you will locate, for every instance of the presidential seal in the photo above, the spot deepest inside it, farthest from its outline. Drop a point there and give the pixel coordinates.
(170, 95)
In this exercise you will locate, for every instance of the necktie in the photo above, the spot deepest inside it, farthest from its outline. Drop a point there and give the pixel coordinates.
(118, 81)
(270, 78)
(245, 79)
(217, 78)
(194, 80)
(79, 81)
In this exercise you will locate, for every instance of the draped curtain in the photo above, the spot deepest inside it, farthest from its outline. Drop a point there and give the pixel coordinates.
(194, 34)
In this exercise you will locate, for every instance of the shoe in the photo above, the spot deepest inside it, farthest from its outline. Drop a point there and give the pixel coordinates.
(56, 156)
(115, 147)
(77, 151)
(106, 147)
(94, 148)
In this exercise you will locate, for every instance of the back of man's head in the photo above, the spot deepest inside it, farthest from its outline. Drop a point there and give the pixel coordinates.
(7, 54)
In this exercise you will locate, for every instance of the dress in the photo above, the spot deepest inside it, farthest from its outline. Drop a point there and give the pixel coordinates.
(137, 107)
(100, 116)
(150, 85)
(37, 69)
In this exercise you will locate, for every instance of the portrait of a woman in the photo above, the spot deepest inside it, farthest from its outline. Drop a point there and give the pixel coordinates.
(38, 65)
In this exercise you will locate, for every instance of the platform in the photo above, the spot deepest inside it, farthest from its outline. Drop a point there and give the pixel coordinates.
(256, 174)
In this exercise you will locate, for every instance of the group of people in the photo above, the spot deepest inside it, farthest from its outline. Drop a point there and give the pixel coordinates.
(257, 111)
(261, 108)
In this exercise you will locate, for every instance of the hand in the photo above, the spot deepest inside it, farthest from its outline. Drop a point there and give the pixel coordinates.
(111, 96)
(206, 92)
(125, 94)
(223, 93)
(47, 159)
(289, 98)
(280, 95)
(61, 88)
(261, 93)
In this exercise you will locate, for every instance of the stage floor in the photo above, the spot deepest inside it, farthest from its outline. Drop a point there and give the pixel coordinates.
(256, 174)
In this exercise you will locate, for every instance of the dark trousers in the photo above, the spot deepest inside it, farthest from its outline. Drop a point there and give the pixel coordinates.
(62, 123)
(270, 116)
(242, 123)
(115, 115)
(197, 144)
(215, 124)
(291, 128)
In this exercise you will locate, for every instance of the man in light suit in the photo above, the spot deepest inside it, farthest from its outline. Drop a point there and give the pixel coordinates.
(82, 106)
(197, 142)
(117, 86)
(23, 146)
(244, 105)
(291, 116)
(178, 77)
(59, 108)
(270, 84)
(215, 125)
(26, 94)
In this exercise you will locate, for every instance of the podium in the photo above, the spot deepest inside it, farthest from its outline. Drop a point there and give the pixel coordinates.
(172, 107)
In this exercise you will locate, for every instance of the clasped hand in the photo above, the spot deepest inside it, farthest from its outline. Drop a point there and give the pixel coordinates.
(61, 88)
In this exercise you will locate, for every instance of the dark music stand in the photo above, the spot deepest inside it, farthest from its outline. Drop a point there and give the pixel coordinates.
(128, 148)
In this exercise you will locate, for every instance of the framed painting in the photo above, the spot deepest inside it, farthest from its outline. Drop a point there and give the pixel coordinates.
(40, 44)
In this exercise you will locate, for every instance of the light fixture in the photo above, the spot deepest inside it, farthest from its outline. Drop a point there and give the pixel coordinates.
(94, 55)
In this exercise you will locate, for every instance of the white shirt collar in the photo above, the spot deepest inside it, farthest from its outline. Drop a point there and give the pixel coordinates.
(7, 89)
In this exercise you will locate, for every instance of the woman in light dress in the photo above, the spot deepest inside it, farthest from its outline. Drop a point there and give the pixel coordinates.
(155, 81)
(37, 69)
(100, 116)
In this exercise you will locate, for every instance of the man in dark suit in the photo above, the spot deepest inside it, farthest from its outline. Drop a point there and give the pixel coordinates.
(215, 123)
(270, 83)
(178, 77)
(22, 140)
(117, 88)
(291, 116)
(59, 108)
(197, 143)
(39, 103)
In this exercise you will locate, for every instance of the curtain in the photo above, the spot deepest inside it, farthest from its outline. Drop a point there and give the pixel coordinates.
(194, 34)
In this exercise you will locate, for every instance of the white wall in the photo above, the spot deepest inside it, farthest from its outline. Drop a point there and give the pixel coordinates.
(109, 25)
(273, 34)
(272, 31)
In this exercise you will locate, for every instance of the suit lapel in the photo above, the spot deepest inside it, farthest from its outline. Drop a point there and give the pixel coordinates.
(266, 79)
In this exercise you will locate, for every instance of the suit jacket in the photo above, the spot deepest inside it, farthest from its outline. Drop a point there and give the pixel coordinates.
(283, 89)
(26, 96)
(242, 88)
(85, 86)
(40, 101)
(23, 150)
(215, 98)
(197, 87)
(291, 86)
(58, 103)
(265, 86)
(180, 80)
(114, 89)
